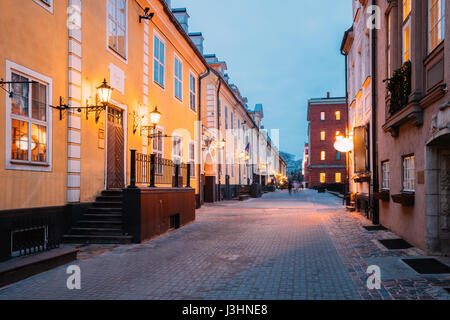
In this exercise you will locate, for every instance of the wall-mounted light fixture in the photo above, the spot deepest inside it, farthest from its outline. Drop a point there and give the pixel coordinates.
(147, 15)
(102, 99)
(146, 130)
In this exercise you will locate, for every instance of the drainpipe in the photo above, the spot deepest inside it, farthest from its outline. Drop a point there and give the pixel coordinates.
(200, 186)
(347, 183)
(218, 131)
(375, 184)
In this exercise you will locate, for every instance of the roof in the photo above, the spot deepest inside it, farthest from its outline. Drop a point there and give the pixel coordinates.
(181, 30)
(345, 43)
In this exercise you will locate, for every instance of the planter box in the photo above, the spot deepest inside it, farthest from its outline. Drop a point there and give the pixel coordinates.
(405, 199)
(382, 196)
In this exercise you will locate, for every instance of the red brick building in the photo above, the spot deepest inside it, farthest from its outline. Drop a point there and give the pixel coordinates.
(327, 118)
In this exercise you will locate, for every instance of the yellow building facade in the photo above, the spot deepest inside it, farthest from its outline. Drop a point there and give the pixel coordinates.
(57, 56)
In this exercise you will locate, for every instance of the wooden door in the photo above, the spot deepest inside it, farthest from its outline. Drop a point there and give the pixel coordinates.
(115, 159)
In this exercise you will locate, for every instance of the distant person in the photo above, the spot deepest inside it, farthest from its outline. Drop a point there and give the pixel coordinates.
(290, 187)
(296, 186)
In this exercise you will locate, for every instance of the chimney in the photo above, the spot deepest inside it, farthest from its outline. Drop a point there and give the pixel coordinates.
(198, 39)
(226, 77)
(182, 17)
(328, 95)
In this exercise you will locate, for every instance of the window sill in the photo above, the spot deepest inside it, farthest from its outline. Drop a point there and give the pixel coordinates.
(119, 55)
(383, 195)
(158, 85)
(406, 199)
(26, 163)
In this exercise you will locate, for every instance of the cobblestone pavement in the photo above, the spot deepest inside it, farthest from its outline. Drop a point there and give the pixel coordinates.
(304, 246)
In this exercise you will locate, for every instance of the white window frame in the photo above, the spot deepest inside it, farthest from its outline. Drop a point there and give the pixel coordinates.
(440, 23)
(177, 79)
(192, 158)
(111, 50)
(385, 182)
(177, 157)
(12, 164)
(409, 173)
(324, 154)
(46, 4)
(323, 135)
(156, 35)
(192, 93)
(322, 116)
(158, 153)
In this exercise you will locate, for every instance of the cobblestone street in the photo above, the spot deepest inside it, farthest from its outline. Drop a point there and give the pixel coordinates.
(304, 246)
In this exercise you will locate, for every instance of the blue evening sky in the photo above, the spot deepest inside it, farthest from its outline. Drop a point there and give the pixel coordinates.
(279, 53)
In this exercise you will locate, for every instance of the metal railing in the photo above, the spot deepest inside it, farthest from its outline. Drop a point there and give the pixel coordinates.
(152, 171)
(32, 234)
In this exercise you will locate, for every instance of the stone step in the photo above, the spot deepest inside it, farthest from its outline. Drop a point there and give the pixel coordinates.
(112, 193)
(78, 230)
(108, 204)
(85, 223)
(109, 198)
(106, 239)
(99, 210)
(103, 216)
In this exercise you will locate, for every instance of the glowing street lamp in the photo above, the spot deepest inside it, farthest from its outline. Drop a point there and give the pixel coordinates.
(104, 93)
(155, 117)
(343, 144)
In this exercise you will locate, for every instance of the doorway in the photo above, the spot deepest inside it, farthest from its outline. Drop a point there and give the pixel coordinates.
(115, 150)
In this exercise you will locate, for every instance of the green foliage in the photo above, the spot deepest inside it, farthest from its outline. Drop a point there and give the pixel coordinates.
(399, 87)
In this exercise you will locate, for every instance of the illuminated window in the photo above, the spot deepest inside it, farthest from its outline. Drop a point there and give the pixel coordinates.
(338, 177)
(322, 116)
(406, 9)
(435, 24)
(338, 115)
(406, 31)
(406, 42)
(323, 177)
(29, 121)
(322, 135)
(408, 174)
(322, 155)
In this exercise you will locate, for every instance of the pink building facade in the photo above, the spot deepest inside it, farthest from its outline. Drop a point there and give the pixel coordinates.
(411, 117)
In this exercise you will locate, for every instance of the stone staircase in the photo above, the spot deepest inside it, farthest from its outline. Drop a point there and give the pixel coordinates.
(102, 223)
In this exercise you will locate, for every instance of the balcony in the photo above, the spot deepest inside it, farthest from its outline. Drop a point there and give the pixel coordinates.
(398, 108)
